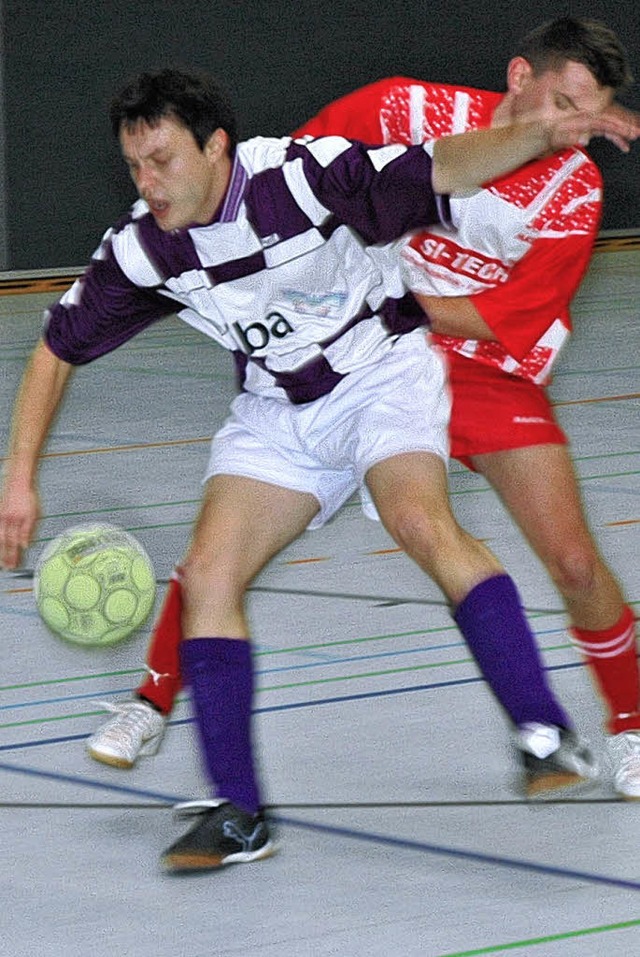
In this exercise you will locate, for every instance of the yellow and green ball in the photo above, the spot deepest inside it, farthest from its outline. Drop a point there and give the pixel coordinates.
(94, 584)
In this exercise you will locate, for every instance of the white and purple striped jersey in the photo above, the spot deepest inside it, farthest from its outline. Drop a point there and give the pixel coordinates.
(297, 275)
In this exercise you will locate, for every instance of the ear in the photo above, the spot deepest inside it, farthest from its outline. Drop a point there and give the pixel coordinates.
(217, 145)
(519, 72)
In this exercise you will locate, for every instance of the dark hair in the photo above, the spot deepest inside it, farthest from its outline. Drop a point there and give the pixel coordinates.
(193, 99)
(588, 42)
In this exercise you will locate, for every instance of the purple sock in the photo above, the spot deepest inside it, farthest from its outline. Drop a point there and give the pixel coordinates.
(495, 628)
(220, 674)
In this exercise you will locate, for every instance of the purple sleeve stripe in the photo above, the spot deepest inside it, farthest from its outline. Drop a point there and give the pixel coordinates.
(109, 312)
(236, 268)
(381, 204)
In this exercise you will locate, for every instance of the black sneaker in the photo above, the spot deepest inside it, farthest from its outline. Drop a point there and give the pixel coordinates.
(554, 759)
(222, 834)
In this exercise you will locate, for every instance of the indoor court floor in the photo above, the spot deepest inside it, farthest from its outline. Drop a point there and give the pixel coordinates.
(387, 763)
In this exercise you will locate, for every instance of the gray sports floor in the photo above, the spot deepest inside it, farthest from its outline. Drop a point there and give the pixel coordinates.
(386, 760)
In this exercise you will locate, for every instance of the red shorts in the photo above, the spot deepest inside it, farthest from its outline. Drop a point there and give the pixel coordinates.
(493, 411)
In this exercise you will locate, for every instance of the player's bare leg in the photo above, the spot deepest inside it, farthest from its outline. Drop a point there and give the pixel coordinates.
(242, 525)
(410, 492)
(411, 495)
(136, 726)
(539, 487)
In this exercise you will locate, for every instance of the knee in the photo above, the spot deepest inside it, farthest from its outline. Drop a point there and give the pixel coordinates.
(210, 579)
(418, 531)
(575, 568)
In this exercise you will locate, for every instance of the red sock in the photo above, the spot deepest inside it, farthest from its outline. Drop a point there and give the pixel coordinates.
(612, 657)
(162, 685)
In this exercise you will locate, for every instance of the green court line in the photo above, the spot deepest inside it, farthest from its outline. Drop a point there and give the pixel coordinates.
(295, 684)
(336, 643)
(589, 478)
(312, 646)
(563, 373)
(314, 682)
(125, 508)
(22, 686)
(371, 674)
(172, 374)
(581, 478)
(551, 938)
(52, 720)
(612, 455)
(130, 528)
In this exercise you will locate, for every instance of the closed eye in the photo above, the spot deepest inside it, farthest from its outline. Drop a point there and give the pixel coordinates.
(564, 102)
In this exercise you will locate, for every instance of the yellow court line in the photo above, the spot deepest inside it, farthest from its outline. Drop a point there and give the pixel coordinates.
(125, 448)
(307, 561)
(601, 398)
(616, 244)
(32, 285)
(22, 287)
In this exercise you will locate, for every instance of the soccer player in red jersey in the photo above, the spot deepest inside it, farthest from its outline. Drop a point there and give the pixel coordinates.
(498, 295)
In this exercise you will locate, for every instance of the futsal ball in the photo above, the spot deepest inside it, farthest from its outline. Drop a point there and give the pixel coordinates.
(94, 584)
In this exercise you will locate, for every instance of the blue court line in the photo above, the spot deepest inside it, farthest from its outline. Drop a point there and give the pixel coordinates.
(93, 783)
(617, 490)
(509, 862)
(383, 840)
(290, 706)
(92, 695)
(322, 661)
(364, 695)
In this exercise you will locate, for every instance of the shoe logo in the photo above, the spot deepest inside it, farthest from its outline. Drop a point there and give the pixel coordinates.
(231, 829)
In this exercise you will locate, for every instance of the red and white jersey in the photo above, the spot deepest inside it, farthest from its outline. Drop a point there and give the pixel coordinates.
(521, 244)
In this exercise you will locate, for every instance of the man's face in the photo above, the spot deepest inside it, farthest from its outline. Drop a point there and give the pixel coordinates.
(553, 94)
(181, 183)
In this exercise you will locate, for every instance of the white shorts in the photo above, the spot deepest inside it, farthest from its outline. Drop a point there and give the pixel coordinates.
(326, 447)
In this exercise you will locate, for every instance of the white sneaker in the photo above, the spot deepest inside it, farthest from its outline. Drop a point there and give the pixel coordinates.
(553, 760)
(624, 752)
(135, 730)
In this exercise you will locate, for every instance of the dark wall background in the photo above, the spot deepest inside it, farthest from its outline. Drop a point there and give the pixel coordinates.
(281, 61)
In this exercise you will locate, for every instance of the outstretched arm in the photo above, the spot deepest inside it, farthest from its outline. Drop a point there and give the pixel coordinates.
(39, 397)
(467, 160)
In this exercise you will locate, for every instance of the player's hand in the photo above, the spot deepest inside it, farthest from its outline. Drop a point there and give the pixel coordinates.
(616, 124)
(624, 114)
(19, 514)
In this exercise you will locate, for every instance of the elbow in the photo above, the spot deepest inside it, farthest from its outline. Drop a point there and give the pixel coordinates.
(445, 173)
(441, 180)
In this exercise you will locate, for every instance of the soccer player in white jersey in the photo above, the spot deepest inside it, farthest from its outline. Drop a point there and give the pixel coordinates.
(498, 300)
(264, 247)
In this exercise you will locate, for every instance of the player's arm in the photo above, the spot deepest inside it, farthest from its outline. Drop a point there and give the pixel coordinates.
(38, 399)
(465, 161)
(454, 316)
(519, 312)
(100, 312)
(383, 192)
